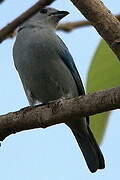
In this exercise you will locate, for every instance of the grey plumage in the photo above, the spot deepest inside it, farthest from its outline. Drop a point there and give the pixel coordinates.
(48, 72)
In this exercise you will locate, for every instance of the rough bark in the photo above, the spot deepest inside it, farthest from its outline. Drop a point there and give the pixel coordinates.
(107, 25)
(59, 111)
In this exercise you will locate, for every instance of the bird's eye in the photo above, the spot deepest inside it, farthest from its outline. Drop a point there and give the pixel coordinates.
(43, 11)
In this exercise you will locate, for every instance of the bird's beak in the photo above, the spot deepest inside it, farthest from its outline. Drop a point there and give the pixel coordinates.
(62, 14)
(59, 14)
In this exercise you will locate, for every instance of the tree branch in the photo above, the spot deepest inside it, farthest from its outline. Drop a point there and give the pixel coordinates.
(102, 19)
(59, 111)
(7, 30)
(69, 26)
(1, 1)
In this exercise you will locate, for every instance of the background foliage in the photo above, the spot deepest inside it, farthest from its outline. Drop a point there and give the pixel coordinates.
(104, 72)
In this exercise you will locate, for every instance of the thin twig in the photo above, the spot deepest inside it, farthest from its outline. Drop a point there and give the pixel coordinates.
(69, 26)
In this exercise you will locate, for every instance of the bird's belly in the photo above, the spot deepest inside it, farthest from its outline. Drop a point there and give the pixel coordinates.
(49, 82)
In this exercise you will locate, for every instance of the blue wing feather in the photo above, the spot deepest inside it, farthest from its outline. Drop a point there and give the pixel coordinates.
(68, 60)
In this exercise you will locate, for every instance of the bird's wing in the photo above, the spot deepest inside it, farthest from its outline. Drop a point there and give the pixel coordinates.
(68, 60)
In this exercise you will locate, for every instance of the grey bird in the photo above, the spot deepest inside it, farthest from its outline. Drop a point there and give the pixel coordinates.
(48, 73)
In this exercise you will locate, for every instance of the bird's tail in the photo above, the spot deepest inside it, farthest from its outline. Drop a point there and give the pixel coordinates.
(90, 150)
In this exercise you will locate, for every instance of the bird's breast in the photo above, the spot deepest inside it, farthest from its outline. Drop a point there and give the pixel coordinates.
(41, 69)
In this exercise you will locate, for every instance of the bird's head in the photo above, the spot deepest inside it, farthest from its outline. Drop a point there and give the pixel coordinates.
(47, 16)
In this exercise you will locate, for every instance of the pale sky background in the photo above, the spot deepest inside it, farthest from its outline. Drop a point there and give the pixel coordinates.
(52, 153)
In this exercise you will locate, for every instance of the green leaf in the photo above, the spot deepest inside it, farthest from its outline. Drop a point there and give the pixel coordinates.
(104, 73)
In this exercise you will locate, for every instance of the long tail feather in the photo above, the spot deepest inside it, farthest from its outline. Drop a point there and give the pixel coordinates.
(89, 148)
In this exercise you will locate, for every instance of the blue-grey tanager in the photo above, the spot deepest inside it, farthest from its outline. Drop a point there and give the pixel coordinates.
(48, 72)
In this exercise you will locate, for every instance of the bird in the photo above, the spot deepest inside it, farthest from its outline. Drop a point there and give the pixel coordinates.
(48, 72)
